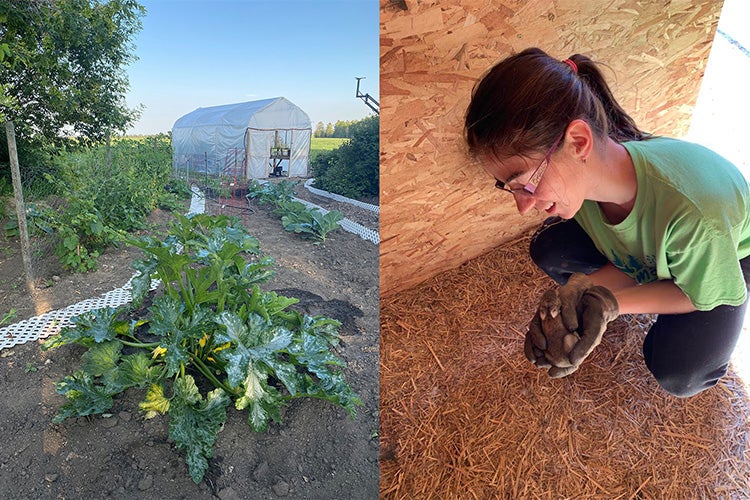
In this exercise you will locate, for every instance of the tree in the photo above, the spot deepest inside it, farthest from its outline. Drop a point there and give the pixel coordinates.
(320, 130)
(329, 130)
(65, 66)
(341, 128)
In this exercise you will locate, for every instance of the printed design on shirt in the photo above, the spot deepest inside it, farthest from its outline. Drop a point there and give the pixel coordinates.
(642, 272)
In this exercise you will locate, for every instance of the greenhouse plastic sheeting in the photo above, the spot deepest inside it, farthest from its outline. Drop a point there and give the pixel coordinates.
(205, 139)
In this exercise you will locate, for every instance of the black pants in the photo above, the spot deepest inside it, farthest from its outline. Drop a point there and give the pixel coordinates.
(686, 353)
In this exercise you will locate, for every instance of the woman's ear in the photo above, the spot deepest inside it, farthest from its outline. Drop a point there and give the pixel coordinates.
(579, 139)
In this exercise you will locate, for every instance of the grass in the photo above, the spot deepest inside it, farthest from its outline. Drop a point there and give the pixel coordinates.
(318, 144)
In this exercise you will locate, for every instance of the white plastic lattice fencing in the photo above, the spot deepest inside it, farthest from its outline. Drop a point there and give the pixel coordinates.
(338, 197)
(48, 324)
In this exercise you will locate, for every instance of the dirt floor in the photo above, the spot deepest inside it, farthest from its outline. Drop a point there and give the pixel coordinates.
(317, 452)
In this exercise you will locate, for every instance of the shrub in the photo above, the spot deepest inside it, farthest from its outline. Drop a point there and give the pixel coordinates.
(352, 169)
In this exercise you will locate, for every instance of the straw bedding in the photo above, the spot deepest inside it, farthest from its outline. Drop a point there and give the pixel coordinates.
(465, 415)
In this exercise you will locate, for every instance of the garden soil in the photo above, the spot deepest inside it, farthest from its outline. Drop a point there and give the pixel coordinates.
(316, 452)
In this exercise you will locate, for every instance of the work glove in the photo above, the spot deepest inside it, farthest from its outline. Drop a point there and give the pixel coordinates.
(554, 339)
(597, 308)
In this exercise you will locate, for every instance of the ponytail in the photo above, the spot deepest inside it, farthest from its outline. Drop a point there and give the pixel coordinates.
(620, 126)
(528, 99)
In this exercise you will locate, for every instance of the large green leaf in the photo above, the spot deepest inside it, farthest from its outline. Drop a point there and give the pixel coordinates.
(101, 358)
(287, 374)
(166, 322)
(312, 352)
(324, 224)
(256, 272)
(166, 315)
(200, 322)
(134, 370)
(321, 326)
(269, 305)
(253, 341)
(83, 395)
(141, 282)
(260, 399)
(194, 423)
(99, 325)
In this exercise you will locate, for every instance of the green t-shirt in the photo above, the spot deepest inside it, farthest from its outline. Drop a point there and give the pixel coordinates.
(690, 222)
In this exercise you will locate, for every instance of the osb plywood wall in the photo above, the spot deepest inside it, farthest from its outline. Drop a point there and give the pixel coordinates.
(437, 209)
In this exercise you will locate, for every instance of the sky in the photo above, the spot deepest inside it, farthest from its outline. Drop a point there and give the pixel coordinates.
(201, 53)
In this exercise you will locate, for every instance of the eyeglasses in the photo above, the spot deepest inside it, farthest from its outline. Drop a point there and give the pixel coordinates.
(536, 176)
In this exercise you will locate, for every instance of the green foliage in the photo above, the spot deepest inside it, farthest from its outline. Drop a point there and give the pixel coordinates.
(212, 322)
(6, 187)
(289, 207)
(175, 191)
(312, 223)
(125, 182)
(203, 257)
(295, 216)
(38, 221)
(64, 66)
(178, 187)
(7, 317)
(108, 191)
(83, 235)
(83, 397)
(352, 169)
(272, 192)
(340, 129)
(194, 423)
(3, 199)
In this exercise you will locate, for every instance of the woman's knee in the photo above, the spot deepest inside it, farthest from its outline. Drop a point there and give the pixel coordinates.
(684, 384)
(561, 248)
(682, 371)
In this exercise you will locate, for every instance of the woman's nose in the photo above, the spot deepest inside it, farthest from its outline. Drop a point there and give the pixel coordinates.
(524, 202)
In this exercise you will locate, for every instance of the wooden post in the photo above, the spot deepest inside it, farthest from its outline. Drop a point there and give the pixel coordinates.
(109, 150)
(15, 171)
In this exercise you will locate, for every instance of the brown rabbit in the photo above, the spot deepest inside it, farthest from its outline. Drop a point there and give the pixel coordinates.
(559, 340)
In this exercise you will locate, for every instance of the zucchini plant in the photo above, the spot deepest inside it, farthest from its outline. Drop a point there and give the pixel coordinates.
(312, 223)
(211, 327)
(296, 217)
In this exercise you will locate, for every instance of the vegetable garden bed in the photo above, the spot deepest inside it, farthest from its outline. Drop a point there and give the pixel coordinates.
(316, 452)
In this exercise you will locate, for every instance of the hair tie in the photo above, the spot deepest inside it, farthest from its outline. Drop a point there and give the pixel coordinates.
(572, 65)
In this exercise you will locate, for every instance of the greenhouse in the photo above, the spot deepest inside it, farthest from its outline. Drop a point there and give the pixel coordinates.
(249, 140)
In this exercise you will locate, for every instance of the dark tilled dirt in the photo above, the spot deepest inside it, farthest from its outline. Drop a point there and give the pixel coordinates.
(317, 452)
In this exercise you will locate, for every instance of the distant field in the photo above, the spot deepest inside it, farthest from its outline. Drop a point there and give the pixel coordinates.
(326, 143)
(318, 144)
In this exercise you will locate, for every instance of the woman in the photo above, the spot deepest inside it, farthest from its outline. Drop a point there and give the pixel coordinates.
(658, 225)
